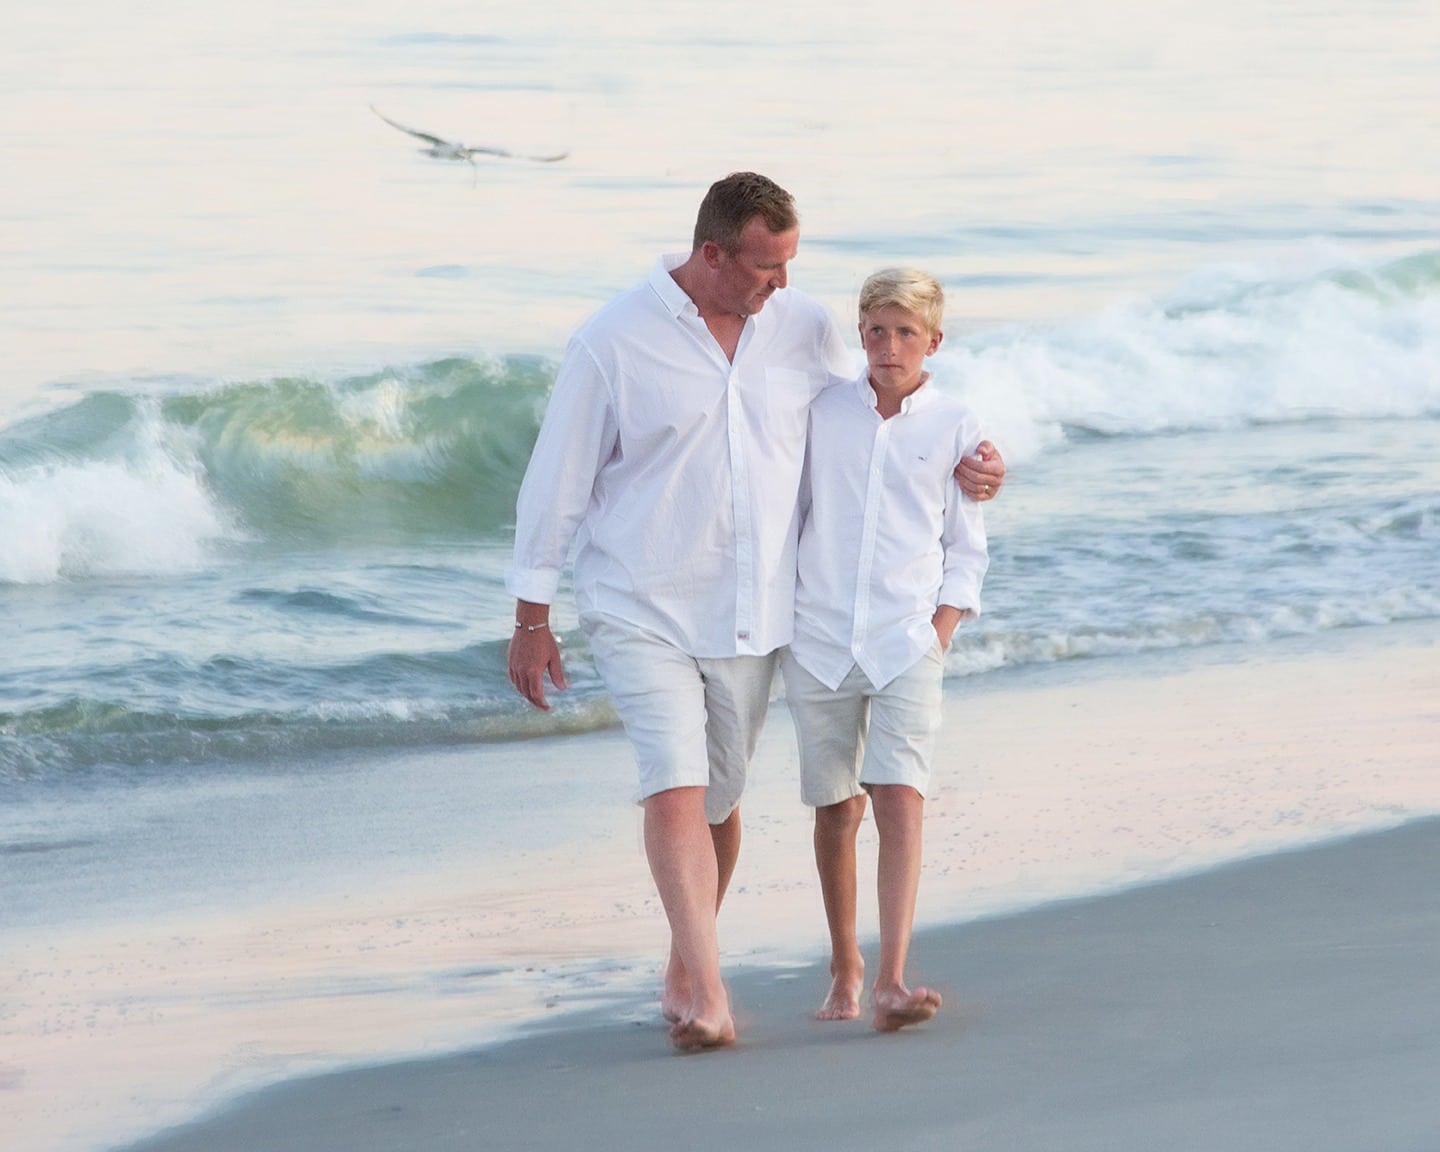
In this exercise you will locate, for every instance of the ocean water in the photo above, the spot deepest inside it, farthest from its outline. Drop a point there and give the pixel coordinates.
(271, 376)
(261, 570)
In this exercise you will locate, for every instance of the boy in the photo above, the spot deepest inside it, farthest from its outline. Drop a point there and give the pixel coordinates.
(891, 558)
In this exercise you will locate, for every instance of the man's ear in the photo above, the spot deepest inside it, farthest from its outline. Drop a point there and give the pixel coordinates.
(711, 252)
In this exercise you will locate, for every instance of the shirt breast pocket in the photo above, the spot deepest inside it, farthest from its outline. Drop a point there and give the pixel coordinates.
(787, 401)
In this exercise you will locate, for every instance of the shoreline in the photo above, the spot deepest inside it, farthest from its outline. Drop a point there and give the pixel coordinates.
(1049, 788)
(1278, 1003)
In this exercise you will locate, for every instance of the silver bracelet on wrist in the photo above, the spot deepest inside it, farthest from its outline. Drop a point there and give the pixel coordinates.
(529, 627)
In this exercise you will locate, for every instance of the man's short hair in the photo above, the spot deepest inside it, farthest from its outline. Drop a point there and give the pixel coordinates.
(908, 288)
(734, 201)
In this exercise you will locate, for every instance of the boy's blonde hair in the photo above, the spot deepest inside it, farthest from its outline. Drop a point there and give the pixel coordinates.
(908, 288)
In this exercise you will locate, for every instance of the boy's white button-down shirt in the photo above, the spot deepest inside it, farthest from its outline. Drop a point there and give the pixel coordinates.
(677, 470)
(886, 533)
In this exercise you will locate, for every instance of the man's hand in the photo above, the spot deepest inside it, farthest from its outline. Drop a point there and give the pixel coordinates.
(534, 653)
(981, 475)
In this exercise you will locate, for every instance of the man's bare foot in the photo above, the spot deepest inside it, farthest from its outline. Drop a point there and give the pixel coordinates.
(676, 998)
(699, 1033)
(843, 1000)
(897, 1008)
(673, 1005)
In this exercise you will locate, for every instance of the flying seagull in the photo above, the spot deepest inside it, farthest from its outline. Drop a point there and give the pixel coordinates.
(453, 150)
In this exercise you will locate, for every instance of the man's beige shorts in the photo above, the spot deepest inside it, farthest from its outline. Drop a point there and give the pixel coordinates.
(856, 736)
(692, 721)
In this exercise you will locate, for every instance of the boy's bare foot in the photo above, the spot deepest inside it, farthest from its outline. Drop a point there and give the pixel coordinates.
(699, 1033)
(847, 982)
(897, 1008)
(843, 1000)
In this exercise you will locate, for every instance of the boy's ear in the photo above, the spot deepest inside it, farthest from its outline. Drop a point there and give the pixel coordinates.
(935, 338)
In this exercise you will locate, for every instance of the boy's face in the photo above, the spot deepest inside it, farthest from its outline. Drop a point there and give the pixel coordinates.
(896, 343)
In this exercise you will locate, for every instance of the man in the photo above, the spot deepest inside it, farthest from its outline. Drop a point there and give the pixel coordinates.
(672, 447)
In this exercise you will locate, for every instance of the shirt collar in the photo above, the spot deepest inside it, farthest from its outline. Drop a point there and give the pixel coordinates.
(676, 302)
(917, 399)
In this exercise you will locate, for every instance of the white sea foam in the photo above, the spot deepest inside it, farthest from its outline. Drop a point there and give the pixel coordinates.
(991, 650)
(146, 510)
(1228, 348)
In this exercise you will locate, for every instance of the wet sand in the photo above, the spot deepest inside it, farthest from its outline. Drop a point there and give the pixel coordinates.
(1286, 1002)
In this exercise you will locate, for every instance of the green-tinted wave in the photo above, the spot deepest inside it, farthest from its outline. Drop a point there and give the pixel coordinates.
(432, 450)
(1414, 275)
(437, 449)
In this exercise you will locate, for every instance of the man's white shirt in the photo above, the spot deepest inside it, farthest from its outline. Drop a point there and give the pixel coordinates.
(887, 534)
(677, 470)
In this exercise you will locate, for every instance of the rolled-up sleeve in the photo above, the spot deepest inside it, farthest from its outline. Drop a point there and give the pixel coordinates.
(967, 554)
(577, 436)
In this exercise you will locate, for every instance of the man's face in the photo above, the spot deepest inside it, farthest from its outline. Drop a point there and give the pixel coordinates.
(744, 280)
(896, 343)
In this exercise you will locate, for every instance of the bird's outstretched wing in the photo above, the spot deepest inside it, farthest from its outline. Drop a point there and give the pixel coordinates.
(487, 151)
(437, 141)
(455, 150)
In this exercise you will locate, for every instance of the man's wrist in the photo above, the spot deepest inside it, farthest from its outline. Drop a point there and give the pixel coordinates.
(531, 616)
